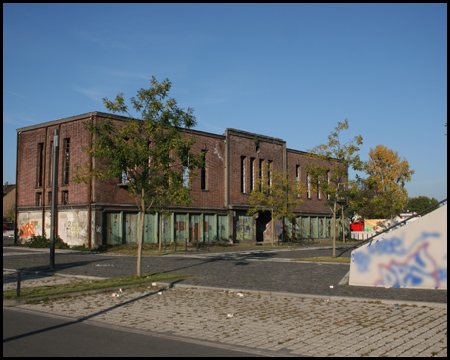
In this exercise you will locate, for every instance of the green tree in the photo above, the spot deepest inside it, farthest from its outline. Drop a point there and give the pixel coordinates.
(277, 194)
(420, 203)
(328, 170)
(152, 152)
(360, 196)
(388, 173)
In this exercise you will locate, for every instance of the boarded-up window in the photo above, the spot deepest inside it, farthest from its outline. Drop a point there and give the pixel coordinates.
(40, 164)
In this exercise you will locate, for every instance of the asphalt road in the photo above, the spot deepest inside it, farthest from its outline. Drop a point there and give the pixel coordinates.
(31, 335)
(262, 270)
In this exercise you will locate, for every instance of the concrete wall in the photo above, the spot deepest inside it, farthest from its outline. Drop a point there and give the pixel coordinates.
(412, 256)
(28, 224)
(73, 227)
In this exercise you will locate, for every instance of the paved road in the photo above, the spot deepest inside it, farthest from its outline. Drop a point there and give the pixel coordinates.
(266, 270)
(30, 334)
(284, 307)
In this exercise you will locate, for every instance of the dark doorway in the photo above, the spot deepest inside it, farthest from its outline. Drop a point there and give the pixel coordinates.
(261, 223)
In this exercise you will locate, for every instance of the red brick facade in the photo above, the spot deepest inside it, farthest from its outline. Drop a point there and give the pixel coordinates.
(225, 189)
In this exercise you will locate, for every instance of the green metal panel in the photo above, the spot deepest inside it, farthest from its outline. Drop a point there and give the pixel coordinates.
(150, 229)
(298, 228)
(314, 227)
(166, 229)
(181, 229)
(322, 227)
(194, 228)
(209, 229)
(131, 228)
(306, 227)
(114, 232)
(288, 229)
(222, 227)
(243, 226)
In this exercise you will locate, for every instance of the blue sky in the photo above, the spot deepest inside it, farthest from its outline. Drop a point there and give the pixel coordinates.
(290, 71)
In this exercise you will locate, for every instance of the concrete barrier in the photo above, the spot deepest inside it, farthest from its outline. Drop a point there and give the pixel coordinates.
(412, 256)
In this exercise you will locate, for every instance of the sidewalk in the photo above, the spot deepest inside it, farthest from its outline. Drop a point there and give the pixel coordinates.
(280, 322)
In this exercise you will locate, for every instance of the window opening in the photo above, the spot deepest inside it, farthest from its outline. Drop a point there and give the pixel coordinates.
(39, 199)
(66, 160)
(252, 172)
(261, 173)
(308, 185)
(243, 174)
(65, 197)
(328, 182)
(186, 172)
(203, 171)
(269, 173)
(40, 163)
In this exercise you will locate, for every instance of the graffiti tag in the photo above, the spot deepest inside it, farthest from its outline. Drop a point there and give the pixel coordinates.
(27, 230)
(417, 267)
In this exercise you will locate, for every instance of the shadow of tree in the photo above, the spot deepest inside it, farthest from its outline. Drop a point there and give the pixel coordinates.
(92, 315)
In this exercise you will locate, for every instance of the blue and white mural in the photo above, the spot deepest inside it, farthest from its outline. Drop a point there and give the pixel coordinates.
(413, 256)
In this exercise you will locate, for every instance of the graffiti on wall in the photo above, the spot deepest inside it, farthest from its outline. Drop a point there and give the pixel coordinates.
(396, 263)
(74, 229)
(27, 229)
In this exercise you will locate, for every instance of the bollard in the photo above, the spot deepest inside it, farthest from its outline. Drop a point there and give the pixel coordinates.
(19, 275)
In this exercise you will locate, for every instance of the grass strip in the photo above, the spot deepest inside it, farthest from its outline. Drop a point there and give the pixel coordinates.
(325, 259)
(87, 285)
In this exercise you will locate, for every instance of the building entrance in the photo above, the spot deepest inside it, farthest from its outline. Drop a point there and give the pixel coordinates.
(263, 219)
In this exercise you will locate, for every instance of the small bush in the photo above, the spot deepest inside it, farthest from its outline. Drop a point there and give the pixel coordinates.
(40, 241)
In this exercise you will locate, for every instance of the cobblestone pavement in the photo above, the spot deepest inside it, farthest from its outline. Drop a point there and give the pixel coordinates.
(285, 324)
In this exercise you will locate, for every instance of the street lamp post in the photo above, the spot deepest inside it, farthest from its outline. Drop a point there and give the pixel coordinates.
(54, 198)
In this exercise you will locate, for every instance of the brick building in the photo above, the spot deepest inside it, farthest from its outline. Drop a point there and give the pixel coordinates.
(102, 212)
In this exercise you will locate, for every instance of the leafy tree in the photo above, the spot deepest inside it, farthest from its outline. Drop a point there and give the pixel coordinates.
(420, 203)
(153, 153)
(360, 196)
(277, 194)
(388, 173)
(328, 170)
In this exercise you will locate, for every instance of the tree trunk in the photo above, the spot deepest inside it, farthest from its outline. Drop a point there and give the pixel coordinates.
(160, 231)
(343, 228)
(141, 236)
(273, 230)
(334, 229)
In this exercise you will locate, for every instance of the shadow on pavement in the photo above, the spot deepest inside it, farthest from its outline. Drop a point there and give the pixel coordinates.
(92, 315)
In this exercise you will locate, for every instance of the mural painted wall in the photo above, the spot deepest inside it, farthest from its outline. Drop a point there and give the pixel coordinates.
(413, 256)
(28, 225)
